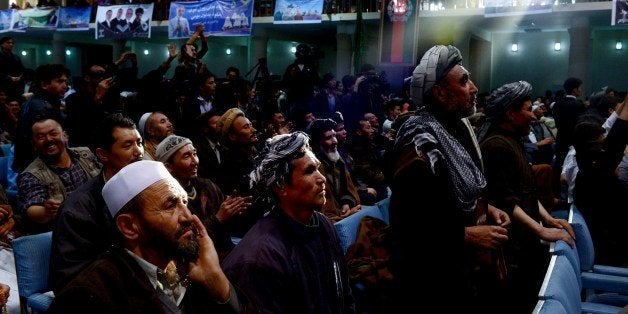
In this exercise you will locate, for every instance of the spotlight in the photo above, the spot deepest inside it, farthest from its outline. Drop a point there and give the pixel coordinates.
(228, 51)
(48, 52)
(514, 48)
(146, 52)
(24, 52)
(618, 45)
(68, 52)
(556, 46)
(293, 49)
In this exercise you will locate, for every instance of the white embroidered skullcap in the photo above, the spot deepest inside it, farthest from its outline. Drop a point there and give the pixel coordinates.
(131, 181)
(169, 146)
(141, 125)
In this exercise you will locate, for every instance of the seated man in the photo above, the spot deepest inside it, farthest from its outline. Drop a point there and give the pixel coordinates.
(84, 228)
(56, 172)
(205, 199)
(154, 227)
(291, 261)
(342, 196)
(154, 128)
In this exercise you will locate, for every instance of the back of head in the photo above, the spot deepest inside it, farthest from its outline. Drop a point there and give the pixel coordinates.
(434, 66)
(571, 84)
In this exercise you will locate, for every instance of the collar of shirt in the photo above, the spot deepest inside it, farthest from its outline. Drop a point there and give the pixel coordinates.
(151, 272)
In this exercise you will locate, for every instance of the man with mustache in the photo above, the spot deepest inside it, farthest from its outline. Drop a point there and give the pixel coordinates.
(84, 228)
(437, 179)
(56, 172)
(342, 195)
(153, 228)
(205, 199)
(291, 261)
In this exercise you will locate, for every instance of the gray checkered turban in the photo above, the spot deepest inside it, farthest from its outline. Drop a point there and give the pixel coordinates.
(434, 65)
(502, 98)
(273, 163)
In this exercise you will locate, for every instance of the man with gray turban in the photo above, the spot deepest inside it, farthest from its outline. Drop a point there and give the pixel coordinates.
(438, 180)
(290, 261)
(511, 186)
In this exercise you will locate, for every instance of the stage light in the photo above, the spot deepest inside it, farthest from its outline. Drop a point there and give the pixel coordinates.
(146, 52)
(618, 45)
(556, 46)
(24, 52)
(228, 51)
(514, 48)
(48, 52)
(293, 49)
(68, 52)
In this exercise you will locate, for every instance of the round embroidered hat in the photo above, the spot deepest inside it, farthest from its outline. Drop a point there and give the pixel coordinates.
(131, 181)
(141, 125)
(225, 122)
(169, 146)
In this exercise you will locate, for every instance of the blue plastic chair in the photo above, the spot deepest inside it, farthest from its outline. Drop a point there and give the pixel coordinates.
(347, 228)
(32, 260)
(549, 307)
(561, 284)
(383, 208)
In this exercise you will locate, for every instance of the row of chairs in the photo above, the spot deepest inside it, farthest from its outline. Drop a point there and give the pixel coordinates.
(572, 274)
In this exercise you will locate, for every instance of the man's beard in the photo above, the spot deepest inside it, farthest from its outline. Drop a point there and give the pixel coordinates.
(173, 248)
(333, 156)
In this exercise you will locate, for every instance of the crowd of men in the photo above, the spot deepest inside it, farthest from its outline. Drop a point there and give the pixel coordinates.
(192, 194)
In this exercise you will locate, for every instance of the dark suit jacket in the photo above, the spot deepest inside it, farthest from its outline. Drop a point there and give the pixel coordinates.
(115, 283)
(208, 166)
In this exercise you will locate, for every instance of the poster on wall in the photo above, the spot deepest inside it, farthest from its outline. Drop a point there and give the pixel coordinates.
(620, 12)
(495, 8)
(74, 18)
(298, 11)
(5, 20)
(123, 21)
(43, 17)
(219, 18)
(398, 34)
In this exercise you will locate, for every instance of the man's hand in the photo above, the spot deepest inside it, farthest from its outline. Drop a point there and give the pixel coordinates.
(347, 211)
(555, 234)
(51, 207)
(6, 219)
(371, 191)
(498, 216)
(199, 29)
(561, 224)
(231, 206)
(545, 141)
(489, 237)
(206, 269)
(102, 89)
(172, 51)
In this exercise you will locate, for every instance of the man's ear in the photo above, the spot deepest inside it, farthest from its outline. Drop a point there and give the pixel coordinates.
(168, 166)
(102, 154)
(439, 93)
(129, 226)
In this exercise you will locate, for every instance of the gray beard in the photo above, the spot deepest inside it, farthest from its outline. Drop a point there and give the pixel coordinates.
(333, 157)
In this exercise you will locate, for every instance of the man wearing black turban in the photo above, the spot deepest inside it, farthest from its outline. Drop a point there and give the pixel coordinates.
(438, 180)
(511, 186)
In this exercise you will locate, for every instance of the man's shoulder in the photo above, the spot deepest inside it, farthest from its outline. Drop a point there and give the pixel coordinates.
(85, 199)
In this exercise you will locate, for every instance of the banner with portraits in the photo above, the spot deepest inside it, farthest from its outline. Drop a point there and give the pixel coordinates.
(620, 12)
(126, 21)
(43, 17)
(219, 18)
(298, 11)
(74, 18)
(494, 8)
(5, 20)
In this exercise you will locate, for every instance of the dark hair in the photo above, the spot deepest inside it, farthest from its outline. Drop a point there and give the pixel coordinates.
(139, 10)
(5, 39)
(203, 77)
(233, 69)
(316, 129)
(571, 84)
(103, 135)
(48, 72)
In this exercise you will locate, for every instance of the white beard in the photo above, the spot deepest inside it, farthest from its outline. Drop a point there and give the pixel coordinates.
(334, 156)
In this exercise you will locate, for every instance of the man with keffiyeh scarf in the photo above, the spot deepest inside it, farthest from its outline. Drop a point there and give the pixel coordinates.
(438, 180)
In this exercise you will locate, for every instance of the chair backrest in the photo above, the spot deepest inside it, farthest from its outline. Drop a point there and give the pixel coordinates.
(383, 208)
(584, 242)
(32, 259)
(348, 228)
(561, 284)
(549, 307)
(561, 247)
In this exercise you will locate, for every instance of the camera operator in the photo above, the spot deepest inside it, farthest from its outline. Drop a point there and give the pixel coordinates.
(371, 91)
(300, 79)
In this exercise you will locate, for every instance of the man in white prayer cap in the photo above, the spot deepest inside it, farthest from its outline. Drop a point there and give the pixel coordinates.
(154, 227)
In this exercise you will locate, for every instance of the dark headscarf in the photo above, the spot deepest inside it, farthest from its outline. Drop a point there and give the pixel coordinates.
(500, 101)
(434, 65)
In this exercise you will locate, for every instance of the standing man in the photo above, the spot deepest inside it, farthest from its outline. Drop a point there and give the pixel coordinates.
(84, 228)
(154, 227)
(511, 186)
(438, 180)
(11, 68)
(291, 260)
(566, 112)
